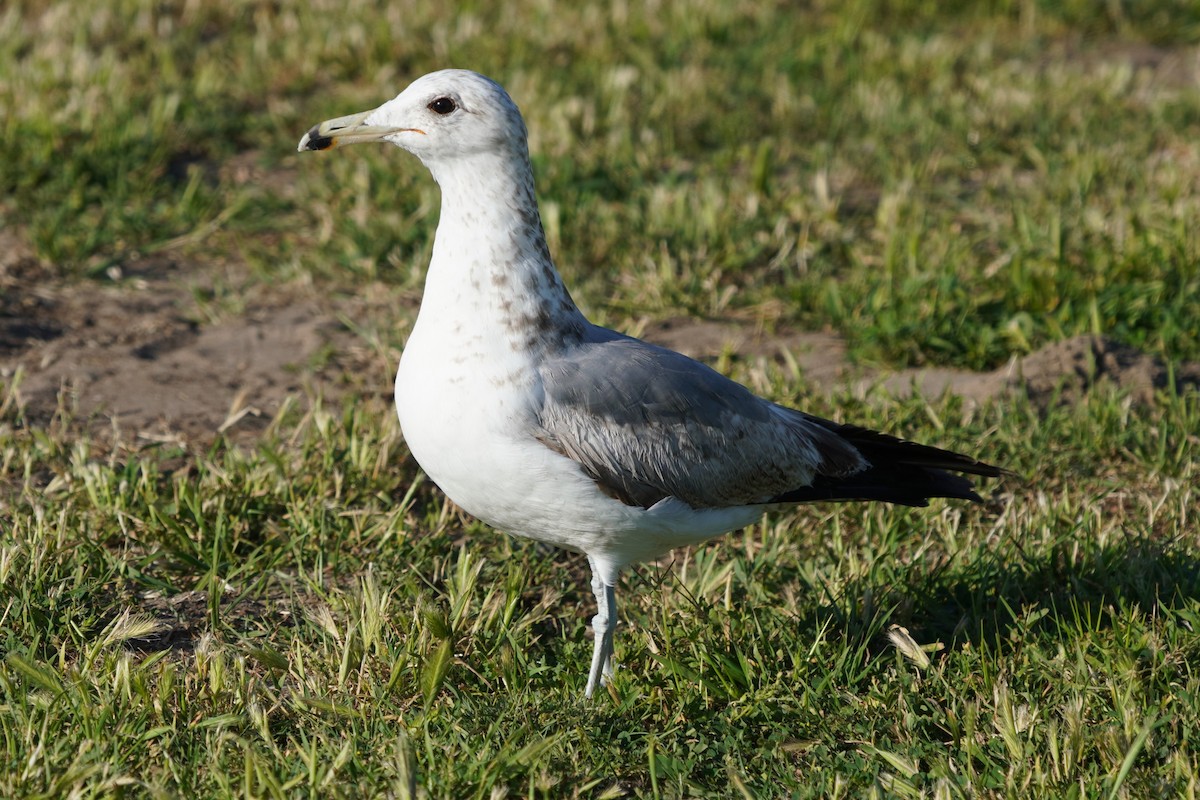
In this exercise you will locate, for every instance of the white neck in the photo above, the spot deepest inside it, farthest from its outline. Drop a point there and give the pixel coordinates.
(490, 265)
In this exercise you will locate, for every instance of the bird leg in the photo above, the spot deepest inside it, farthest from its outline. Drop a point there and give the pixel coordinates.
(604, 625)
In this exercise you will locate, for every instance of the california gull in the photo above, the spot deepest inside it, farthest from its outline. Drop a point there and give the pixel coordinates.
(544, 425)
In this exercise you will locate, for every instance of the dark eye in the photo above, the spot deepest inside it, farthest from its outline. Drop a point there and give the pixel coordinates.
(443, 106)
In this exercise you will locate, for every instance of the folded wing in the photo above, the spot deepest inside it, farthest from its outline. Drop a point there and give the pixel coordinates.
(646, 423)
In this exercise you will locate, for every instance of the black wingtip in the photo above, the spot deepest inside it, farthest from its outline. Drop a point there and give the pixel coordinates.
(900, 472)
(907, 486)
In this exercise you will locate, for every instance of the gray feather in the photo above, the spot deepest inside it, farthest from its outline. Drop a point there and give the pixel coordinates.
(648, 423)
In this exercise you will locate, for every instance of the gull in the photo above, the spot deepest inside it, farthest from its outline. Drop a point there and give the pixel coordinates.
(546, 426)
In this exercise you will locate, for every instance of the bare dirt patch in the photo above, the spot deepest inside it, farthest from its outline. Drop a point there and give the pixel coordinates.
(1060, 372)
(142, 356)
(1170, 66)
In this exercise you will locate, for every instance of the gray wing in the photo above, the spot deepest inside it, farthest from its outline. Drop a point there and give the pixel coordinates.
(648, 423)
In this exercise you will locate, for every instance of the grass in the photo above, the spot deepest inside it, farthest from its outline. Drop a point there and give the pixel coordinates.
(344, 637)
(890, 169)
(948, 184)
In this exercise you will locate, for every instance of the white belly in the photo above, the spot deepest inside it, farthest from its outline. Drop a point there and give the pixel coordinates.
(469, 421)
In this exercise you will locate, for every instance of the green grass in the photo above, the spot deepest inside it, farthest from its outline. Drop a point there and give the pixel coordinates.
(949, 184)
(346, 636)
(943, 187)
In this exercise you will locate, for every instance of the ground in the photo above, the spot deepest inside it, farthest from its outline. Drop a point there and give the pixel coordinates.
(137, 354)
(223, 575)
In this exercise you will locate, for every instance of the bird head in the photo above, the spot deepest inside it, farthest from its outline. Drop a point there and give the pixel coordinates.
(447, 115)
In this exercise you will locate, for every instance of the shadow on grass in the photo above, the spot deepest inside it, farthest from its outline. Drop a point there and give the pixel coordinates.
(1074, 585)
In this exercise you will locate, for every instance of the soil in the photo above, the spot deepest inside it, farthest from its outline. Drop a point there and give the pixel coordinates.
(145, 356)
(1062, 372)
(142, 357)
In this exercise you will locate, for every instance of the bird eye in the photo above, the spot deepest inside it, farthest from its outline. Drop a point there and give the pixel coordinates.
(443, 106)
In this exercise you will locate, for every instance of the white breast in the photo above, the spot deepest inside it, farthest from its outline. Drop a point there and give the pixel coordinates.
(469, 422)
